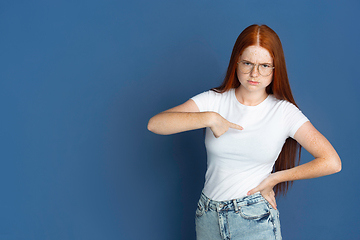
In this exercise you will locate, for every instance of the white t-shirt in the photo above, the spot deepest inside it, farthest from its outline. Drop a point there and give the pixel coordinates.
(240, 160)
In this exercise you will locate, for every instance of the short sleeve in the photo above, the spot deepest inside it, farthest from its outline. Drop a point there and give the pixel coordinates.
(293, 119)
(202, 101)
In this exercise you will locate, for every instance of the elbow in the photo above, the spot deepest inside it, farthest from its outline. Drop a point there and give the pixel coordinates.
(150, 125)
(153, 125)
(337, 166)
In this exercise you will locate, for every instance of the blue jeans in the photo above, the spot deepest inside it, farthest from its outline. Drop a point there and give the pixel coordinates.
(247, 218)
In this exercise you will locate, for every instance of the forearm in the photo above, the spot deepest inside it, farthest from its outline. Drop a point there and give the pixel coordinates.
(326, 161)
(166, 123)
(316, 168)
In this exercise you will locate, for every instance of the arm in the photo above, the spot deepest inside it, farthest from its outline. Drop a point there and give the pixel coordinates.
(326, 162)
(187, 117)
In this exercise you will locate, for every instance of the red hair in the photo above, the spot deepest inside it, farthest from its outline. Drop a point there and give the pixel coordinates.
(263, 36)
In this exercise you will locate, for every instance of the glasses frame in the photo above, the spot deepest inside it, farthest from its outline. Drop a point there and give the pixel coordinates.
(258, 65)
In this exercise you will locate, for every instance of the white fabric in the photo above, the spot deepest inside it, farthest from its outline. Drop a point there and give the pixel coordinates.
(239, 160)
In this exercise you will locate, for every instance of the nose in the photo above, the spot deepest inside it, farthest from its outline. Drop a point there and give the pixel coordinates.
(255, 71)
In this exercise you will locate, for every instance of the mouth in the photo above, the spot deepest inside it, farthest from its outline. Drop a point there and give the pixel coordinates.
(253, 82)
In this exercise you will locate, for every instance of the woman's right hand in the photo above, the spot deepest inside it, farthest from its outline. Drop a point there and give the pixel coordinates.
(220, 125)
(187, 117)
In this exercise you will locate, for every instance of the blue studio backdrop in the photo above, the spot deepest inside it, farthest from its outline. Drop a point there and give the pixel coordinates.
(79, 81)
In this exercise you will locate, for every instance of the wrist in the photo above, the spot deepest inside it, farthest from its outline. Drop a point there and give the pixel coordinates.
(208, 119)
(276, 177)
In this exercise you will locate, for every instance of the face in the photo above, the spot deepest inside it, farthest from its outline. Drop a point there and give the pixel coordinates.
(253, 81)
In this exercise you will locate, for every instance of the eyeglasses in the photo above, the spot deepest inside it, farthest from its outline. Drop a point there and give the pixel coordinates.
(264, 69)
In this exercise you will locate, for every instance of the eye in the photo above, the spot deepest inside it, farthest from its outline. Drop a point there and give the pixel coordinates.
(265, 65)
(247, 63)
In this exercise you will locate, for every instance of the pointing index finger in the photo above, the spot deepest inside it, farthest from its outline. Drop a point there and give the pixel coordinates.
(235, 126)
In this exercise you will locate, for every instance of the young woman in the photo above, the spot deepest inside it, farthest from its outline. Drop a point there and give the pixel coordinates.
(254, 130)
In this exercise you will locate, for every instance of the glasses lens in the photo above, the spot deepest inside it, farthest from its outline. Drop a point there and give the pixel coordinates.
(245, 67)
(265, 69)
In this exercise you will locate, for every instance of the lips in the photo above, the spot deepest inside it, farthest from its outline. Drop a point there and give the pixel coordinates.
(253, 82)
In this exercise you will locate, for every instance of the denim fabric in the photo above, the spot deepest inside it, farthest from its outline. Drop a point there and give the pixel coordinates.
(248, 218)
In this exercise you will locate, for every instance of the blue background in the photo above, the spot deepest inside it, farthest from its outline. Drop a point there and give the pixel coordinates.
(79, 81)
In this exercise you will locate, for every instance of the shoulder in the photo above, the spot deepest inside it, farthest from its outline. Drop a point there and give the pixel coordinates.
(213, 94)
(281, 103)
(210, 100)
(229, 93)
(292, 117)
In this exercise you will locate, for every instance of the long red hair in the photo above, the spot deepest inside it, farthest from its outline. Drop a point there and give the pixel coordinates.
(265, 37)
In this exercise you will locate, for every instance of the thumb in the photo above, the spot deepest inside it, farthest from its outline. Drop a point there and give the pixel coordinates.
(252, 191)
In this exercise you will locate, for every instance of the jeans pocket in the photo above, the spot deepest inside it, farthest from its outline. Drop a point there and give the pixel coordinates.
(200, 209)
(255, 210)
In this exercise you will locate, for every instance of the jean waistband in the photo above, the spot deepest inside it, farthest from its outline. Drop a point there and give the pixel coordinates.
(233, 204)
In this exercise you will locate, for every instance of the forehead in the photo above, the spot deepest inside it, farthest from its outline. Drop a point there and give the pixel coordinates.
(256, 54)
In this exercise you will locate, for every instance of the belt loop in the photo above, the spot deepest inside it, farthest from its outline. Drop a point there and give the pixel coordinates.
(235, 206)
(207, 205)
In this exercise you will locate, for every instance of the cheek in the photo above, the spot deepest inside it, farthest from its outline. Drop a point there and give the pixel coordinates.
(269, 80)
(240, 75)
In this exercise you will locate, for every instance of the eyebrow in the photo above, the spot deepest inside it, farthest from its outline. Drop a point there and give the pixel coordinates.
(254, 63)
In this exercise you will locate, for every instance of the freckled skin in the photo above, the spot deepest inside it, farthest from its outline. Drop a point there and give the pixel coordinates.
(247, 93)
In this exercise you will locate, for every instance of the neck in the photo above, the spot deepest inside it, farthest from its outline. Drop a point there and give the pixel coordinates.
(250, 98)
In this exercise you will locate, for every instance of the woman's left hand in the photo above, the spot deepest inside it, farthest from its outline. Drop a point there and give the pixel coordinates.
(266, 190)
